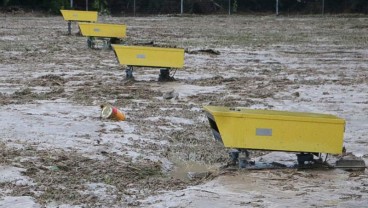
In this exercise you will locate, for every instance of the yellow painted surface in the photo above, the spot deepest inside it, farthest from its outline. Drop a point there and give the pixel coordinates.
(150, 56)
(278, 130)
(79, 16)
(103, 30)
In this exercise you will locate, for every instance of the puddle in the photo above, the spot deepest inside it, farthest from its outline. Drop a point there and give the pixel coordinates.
(182, 169)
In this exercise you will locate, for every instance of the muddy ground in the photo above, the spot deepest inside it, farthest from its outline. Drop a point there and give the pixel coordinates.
(58, 152)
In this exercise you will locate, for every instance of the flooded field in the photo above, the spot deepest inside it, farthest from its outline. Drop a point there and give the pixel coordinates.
(58, 152)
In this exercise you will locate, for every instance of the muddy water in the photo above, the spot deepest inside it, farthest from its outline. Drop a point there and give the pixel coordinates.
(295, 187)
(183, 168)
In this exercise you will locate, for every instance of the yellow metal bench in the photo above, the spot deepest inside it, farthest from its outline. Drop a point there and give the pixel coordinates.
(306, 133)
(110, 33)
(78, 16)
(165, 58)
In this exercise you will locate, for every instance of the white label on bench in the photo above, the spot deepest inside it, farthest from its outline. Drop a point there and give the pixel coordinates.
(96, 30)
(263, 132)
(141, 56)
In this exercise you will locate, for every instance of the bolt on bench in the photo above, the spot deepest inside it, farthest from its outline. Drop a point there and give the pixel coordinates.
(167, 59)
(108, 33)
(78, 16)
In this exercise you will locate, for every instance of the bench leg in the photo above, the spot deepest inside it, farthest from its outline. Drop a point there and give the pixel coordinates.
(114, 41)
(129, 72)
(90, 42)
(106, 44)
(165, 76)
(69, 27)
(304, 157)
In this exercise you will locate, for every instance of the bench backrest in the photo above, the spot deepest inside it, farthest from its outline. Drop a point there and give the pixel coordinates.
(79, 16)
(102, 30)
(149, 56)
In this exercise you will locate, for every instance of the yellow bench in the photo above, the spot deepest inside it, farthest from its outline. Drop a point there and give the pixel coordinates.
(78, 16)
(241, 128)
(156, 57)
(111, 33)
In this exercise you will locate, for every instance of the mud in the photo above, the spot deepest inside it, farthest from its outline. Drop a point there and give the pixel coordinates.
(52, 84)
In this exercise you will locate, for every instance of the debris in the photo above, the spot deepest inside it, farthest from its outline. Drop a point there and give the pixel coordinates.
(111, 112)
(54, 168)
(277, 164)
(170, 95)
(151, 43)
(350, 162)
(104, 152)
(183, 194)
(198, 175)
(207, 51)
(206, 191)
(296, 94)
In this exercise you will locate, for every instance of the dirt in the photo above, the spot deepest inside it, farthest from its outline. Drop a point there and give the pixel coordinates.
(60, 176)
(52, 84)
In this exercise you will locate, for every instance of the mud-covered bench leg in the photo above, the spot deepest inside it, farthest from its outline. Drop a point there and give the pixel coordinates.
(165, 75)
(304, 157)
(129, 72)
(69, 27)
(115, 41)
(90, 42)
